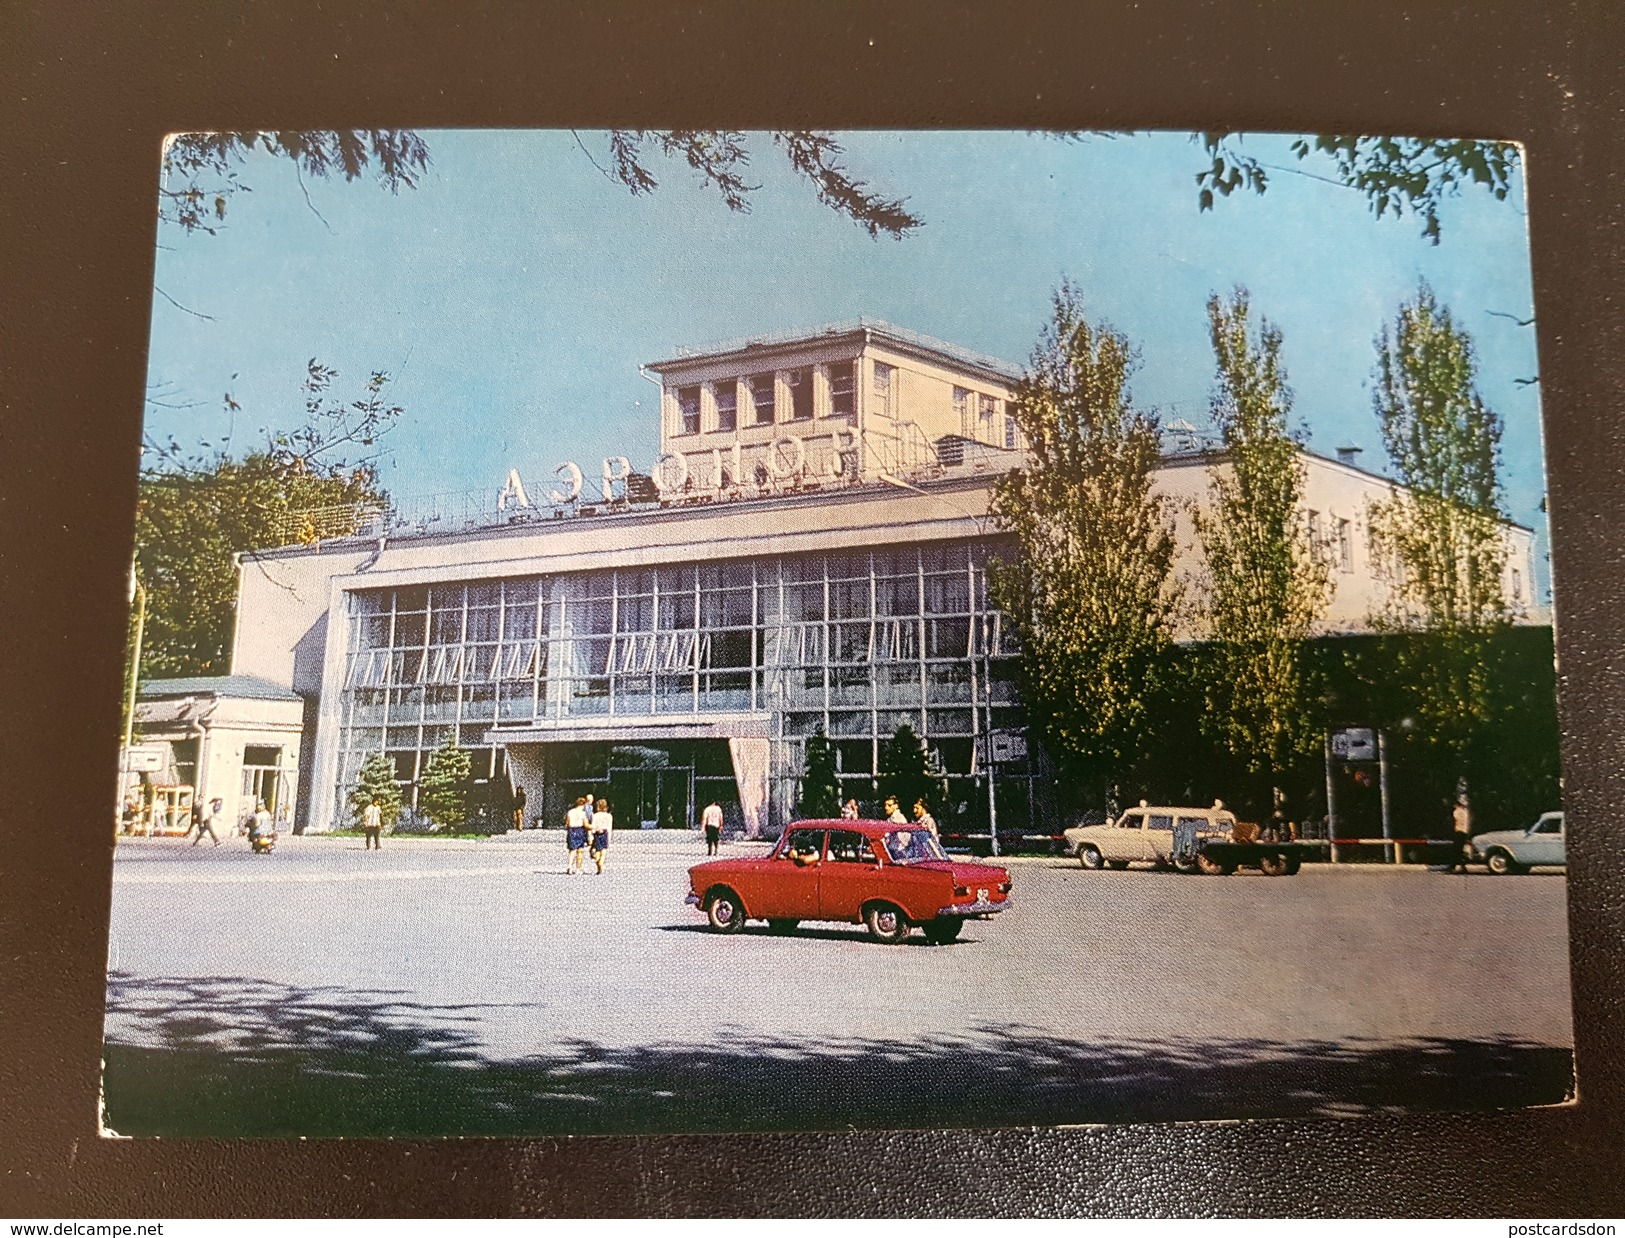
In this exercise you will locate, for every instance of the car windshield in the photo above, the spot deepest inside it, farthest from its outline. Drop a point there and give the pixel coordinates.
(912, 847)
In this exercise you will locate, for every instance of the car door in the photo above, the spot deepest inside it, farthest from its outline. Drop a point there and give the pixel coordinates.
(1544, 843)
(850, 875)
(1158, 836)
(1126, 839)
(786, 889)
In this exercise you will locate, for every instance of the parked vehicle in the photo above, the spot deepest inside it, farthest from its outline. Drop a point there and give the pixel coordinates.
(887, 877)
(1193, 840)
(1517, 851)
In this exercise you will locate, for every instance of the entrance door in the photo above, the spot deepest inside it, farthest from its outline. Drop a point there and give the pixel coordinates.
(659, 798)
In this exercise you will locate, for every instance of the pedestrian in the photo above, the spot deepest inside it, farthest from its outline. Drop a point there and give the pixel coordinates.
(924, 819)
(1461, 830)
(519, 808)
(262, 820)
(602, 823)
(894, 811)
(586, 807)
(849, 810)
(711, 819)
(372, 824)
(203, 821)
(575, 837)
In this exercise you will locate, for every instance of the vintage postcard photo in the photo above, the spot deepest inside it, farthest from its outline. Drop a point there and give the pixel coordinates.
(666, 631)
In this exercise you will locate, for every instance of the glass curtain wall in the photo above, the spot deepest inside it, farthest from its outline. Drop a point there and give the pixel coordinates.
(857, 644)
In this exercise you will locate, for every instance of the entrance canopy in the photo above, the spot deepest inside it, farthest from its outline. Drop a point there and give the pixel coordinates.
(623, 729)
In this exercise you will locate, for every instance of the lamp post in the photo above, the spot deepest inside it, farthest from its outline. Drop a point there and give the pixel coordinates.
(138, 596)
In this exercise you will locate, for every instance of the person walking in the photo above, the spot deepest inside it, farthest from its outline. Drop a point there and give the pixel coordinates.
(1461, 833)
(519, 808)
(894, 811)
(924, 819)
(203, 821)
(575, 837)
(603, 821)
(372, 824)
(711, 820)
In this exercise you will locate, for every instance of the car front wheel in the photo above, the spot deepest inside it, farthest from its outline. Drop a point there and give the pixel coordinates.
(725, 912)
(886, 924)
(1090, 857)
(1273, 865)
(1502, 864)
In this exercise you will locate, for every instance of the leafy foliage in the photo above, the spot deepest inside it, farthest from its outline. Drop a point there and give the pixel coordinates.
(200, 178)
(1268, 584)
(820, 787)
(376, 781)
(444, 784)
(193, 513)
(1393, 174)
(910, 772)
(200, 170)
(1090, 594)
(1445, 532)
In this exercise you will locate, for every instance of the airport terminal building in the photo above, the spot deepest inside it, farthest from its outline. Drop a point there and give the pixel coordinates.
(808, 550)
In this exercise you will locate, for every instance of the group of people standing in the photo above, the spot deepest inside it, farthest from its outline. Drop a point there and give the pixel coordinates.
(586, 832)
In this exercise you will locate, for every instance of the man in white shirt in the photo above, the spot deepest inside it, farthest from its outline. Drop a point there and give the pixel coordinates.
(711, 819)
(372, 824)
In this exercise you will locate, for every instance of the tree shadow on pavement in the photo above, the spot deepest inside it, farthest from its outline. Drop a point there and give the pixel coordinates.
(230, 1057)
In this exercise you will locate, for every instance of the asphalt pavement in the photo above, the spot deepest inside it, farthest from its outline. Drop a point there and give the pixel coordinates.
(474, 987)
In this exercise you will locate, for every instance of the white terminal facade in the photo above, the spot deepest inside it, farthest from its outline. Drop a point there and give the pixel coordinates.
(808, 551)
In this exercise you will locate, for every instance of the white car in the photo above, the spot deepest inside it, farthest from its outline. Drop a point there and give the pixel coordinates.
(1517, 851)
(1145, 833)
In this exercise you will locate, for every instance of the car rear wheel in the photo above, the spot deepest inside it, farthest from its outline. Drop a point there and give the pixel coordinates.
(782, 927)
(1090, 857)
(886, 924)
(1502, 864)
(943, 929)
(725, 912)
(1273, 864)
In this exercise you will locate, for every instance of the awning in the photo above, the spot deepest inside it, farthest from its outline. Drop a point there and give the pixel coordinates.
(624, 729)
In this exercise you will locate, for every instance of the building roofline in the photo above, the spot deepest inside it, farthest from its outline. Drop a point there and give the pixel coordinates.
(864, 329)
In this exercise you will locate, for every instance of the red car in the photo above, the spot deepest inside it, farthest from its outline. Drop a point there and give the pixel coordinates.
(888, 877)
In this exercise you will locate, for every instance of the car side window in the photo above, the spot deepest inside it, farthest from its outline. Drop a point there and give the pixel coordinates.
(1548, 825)
(1194, 823)
(1131, 821)
(804, 842)
(849, 847)
(1159, 821)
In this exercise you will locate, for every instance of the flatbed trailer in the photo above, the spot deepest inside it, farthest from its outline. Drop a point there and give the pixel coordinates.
(1273, 859)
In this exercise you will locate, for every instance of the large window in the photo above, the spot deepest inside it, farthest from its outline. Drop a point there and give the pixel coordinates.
(962, 412)
(801, 394)
(841, 403)
(885, 389)
(688, 410)
(727, 398)
(855, 644)
(762, 398)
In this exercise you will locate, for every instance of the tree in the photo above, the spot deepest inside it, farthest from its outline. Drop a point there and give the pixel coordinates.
(1393, 174)
(376, 781)
(1090, 592)
(194, 513)
(820, 787)
(1268, 585)
(200, 174)
(1445, 530)
(443, 787)
(910, 772)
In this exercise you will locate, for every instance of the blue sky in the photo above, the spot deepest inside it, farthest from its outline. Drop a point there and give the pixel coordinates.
(514, 292)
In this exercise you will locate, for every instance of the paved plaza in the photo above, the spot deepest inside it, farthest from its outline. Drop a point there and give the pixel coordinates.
(472, 987)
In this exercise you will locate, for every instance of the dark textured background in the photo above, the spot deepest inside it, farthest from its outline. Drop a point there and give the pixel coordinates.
(87, 90)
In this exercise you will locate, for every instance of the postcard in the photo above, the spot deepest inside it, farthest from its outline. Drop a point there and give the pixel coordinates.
(836, 630)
